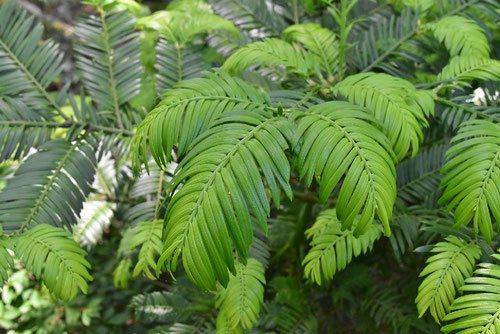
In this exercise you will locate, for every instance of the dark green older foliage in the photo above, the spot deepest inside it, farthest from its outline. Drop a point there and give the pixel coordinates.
(296, 154)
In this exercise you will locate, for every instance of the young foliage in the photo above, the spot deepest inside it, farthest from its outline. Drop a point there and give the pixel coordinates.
(478, 310)
(147, 235)
(184, 20)
(396, 103)
(272, 52)
(55, 258)
(340, 139)
(319, 41)
(468, 68)
(188, 110)
(49, 187)
(122, 273)
(472, 176)
(222, 188)
(241, 300)
(6, 261)
(461, 36)
(445, 273)
(332, 248)
(179, 53)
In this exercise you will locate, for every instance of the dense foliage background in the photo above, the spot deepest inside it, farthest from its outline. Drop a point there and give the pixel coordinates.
(370, 202)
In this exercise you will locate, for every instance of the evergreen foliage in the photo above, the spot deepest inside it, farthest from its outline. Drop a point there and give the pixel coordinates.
(254, 166)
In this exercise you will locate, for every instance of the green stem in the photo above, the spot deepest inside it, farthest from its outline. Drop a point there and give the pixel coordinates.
(341, 17)
(343, 38)
(295, 12)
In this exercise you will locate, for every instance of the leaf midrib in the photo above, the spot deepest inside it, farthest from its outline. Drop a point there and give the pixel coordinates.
(487, 178)
(359, 152)
(444, 272)
(31, 78)
(46, 188)
(322, 53)
(109, 60)
(63, 259)
(212, 177)
(172, 105)
(491, 322)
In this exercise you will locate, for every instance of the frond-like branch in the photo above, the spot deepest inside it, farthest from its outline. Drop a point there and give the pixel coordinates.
(272, 52)
(55, 258)
(396, 103)
(388, 39)
(108, 60)
(28, 64)
(147, 194)
(459, 109)
(6, 261)
(418, 179)
(49, 187)
(222, 188)
(332, 248)
(340, 139)
(176, 62)
(187, 111)
(446, 271)
(478, 310)
(182, 303)
(386, 305)
(384, 40)
(468, 68)
(241, 300)
(252, 16)
(472, 176)
(294, 99)
(20, 129)
(321, 42)
(147, 235)
(461, 36)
